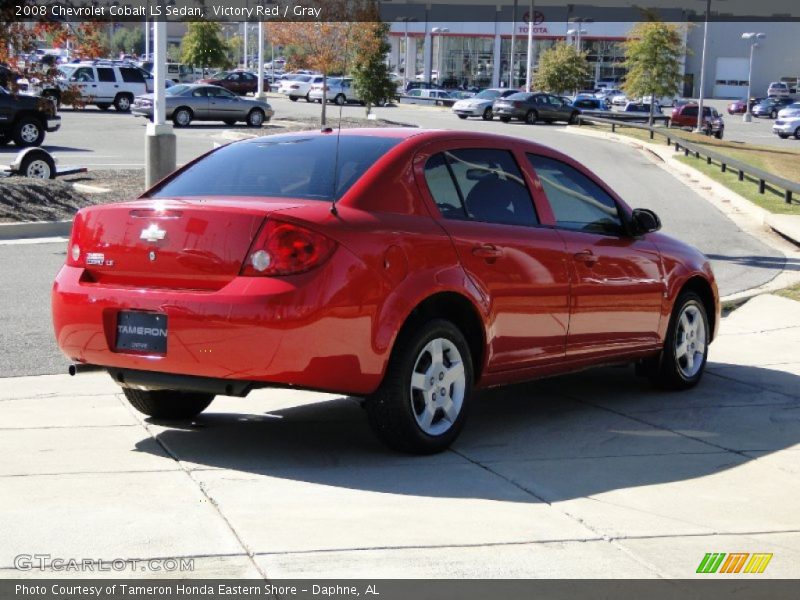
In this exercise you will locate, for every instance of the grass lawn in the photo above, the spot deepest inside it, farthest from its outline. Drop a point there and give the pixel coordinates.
(784, 163)
(792, 292)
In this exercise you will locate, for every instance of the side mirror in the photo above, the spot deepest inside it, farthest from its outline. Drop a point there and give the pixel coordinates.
(645, 221)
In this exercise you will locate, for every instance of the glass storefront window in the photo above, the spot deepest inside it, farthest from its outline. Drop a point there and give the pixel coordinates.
(464, 62)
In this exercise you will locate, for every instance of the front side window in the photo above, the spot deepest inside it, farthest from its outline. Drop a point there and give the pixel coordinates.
(578, 203)
(84, 74)
(481, 184)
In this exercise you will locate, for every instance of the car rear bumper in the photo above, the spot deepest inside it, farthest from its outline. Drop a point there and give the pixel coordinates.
(274, 331)
(505, 111)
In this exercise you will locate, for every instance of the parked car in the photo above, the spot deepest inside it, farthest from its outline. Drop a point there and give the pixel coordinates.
(441, 273)
(424, 96)
(102, 83)
(592, 106)
(786, 126)
(778, 89)
(642, 107)
(299, 87)
(201, 102)
(176, 72)
(739, 107)
(686, 116)
(422, 85)
(25, 119)
(340, 91)
(660, 101)
(770, 107)
(239, 82)
(791, 110)
(480, 105)
(533, 107)
(619, 99)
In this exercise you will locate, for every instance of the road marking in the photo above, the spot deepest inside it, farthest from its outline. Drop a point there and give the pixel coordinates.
(31, 241)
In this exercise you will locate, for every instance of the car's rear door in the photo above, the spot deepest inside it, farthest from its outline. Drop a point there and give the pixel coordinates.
(617, 279)
(481, 198)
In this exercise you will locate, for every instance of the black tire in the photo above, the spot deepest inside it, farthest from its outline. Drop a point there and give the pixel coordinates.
(308, 97)
(28, 132)
(784, 136)
(340, 100)
(103, 106)
(672, 371)
(797, 133)
(230, 122)
(255, 118)
(505, 119)
(168, 404)
(531, 117)
(182, 117)
(293, 98)
(718, 134)
(38, 164)
(573, 118)
(394, 409)
(123, 102)
(462, 116)
(487, 115)
(773, 114)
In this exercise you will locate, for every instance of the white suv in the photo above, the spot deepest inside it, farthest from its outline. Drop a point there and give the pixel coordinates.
(103, 83)
(778, 89)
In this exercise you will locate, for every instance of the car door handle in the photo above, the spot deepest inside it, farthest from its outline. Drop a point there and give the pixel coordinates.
(586, 256)
(487, 251)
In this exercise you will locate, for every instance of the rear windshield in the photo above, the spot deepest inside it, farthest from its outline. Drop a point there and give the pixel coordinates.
(281, 166)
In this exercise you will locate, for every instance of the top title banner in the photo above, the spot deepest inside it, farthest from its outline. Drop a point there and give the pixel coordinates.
(400, 10)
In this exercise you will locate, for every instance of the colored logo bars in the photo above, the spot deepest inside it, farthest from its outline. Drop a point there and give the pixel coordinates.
(736, 562)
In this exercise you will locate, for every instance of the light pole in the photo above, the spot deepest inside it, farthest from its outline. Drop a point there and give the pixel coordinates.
(699, 128)
(529, 58)
(753, 37)
(513, 43)
(439, 31)
(406, 21)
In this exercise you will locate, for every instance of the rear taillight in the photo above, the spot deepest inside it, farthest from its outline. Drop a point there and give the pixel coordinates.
(286, 249)
(74, 251)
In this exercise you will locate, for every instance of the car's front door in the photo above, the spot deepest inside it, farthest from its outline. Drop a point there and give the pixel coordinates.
(617, 280)
(222, 104)
(199, 102)
(519, 267)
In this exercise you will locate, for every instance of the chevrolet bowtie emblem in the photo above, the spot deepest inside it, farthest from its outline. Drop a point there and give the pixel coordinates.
(153, 233)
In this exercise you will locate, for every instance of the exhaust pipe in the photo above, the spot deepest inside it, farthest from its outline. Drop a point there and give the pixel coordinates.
(76, 368)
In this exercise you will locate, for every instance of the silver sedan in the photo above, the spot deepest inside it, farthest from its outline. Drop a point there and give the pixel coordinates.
(202, 102)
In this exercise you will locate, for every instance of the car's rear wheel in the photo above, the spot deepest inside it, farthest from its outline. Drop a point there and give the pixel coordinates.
(573, 118)
(718, 134)
(505, 119)
(28, 132)
(255, 118)
(531, 117)
(168, 404)
(683, 358)
(797, 133)
(229, 122)
(182, 117)
(423, 401)
(783, 136)
(293, 98)
(103, 106)
(308, 97)
(340, 99)
(38, 164)
(773, 114)
(462, 116)
(487, 115)
(123, 102)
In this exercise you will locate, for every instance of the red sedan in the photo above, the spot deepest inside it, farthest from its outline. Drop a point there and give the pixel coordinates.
(405, 266)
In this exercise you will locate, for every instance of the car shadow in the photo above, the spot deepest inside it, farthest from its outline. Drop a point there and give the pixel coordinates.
(760, 262)
(562, 438)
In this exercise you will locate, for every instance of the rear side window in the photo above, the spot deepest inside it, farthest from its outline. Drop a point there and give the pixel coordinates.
(106, 75)
(578, 203)
(480, 184)
(131, 75)
(689, 111)
(282, 166)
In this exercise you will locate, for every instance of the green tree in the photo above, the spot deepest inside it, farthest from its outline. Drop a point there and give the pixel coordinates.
(561, 68)
(653, 53)
(370, 73)
(128, 40)
(203, 46)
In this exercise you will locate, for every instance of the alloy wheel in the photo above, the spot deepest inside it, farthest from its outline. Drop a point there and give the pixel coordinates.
(38, 169)
(438, 386)
(690, 340)
(29, 133)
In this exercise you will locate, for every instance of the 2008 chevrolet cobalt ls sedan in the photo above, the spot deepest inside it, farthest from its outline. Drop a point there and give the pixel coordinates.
(405, 266)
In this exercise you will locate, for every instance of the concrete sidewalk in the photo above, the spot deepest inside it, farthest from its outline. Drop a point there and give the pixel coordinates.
(591, 475)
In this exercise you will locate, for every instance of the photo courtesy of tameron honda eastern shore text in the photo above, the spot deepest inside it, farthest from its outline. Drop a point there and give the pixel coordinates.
(405, 266)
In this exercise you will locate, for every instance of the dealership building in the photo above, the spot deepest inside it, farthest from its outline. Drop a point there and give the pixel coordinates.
(479, 53)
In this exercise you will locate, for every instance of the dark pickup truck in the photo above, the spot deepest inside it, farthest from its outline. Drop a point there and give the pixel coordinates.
(25, 119)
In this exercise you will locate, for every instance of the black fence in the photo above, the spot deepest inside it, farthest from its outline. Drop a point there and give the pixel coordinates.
(762, 177)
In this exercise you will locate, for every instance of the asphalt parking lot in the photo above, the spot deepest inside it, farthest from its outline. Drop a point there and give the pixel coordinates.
(591, 475)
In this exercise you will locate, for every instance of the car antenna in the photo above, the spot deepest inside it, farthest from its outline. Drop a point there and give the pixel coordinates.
(338, 136)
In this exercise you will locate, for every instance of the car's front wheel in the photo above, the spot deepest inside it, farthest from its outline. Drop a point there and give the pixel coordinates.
(28, 132)
(487, 115)
(462, 116)
(255, 118)
(505, 119)
(168, 404)
(683, 358)
(773, 114)
(182, 117)
(423, 401)
(797, 133)
(531, 117)
(123, 102)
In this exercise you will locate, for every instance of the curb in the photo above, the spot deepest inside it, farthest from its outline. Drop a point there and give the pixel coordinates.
(35, 229)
